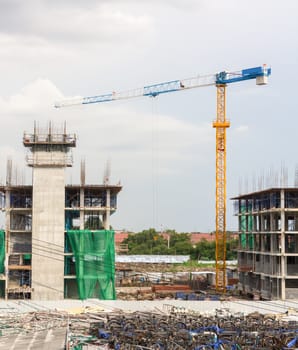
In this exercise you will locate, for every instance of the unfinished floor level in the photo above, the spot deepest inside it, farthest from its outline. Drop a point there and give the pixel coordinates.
(268, 243)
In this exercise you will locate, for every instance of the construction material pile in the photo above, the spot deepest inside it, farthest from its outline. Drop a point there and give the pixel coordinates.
(157, 292)
(167, 329)
(30, 322)
(181, 330)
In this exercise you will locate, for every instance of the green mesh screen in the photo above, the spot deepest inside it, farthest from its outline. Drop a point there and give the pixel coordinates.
(94, 253)
(251, 238)
(243, 227)
(2, 251)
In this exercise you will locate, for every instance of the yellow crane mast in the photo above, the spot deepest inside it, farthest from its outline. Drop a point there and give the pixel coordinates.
(220, 125)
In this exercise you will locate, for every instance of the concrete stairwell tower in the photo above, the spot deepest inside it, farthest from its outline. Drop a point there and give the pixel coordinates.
(50, 153)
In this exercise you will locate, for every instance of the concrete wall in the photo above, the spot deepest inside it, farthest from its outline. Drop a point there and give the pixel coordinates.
(48, 233)
(291, 293)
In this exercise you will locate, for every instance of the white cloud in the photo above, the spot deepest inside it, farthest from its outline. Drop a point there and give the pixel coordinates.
(102, 21)
(241, 129)
(33, 98)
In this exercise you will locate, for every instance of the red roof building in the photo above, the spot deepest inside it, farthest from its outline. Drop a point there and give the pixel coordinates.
(119, 238)
(196, 237)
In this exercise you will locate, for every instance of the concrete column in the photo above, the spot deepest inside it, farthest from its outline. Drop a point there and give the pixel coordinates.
(82, 206)
(271, 222)
(272, 236)
(262, 223)
(282, 241)
(50, 155)
(7, 238)
(296, 243)
(48, 233)
(106, 217)
(254, 223)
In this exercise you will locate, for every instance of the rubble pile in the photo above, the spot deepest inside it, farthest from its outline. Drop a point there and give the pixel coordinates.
(32, 322)
(168, 328)
(155, 292)
(181, 330)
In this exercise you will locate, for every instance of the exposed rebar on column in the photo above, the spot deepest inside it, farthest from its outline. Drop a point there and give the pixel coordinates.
(8, 172)
(296, 176)
(83, 172)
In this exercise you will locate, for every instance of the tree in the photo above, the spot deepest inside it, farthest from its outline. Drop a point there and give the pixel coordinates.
(204, 250)
(151, 242)
(232, 245)
(146, 242)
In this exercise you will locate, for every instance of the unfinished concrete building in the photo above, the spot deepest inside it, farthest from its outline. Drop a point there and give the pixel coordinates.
(37, 260)
(268, 243)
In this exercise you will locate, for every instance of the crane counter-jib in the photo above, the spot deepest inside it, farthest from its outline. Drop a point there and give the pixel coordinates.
(220, 80)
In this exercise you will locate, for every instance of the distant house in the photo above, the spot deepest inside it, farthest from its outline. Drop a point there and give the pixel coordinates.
(120, 247)
(165, 235)
(196, 237)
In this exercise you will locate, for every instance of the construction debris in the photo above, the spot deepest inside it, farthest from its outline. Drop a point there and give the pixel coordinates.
(32, 322)
(168, 329)
(181, 330)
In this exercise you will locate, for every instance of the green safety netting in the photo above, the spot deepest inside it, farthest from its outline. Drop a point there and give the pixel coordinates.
(246, 223)
(2, 251)
(94, 253)
(251, 238)
(243, 227)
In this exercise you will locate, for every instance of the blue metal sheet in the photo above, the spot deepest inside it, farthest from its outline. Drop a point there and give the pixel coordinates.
(245, 74)
(256, 71)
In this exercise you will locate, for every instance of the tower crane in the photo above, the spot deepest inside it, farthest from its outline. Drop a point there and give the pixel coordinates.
(220, 80)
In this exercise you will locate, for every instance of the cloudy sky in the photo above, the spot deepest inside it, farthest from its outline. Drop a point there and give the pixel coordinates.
(163, 149)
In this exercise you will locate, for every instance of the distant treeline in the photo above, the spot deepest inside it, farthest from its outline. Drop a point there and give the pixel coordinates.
(172, 243)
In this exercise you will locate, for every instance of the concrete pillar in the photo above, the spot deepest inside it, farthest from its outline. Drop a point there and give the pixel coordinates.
(48, 233)
(82, 195)
(262, 223)
(50, 155)
(282, 241)
(82, 205)
(7, 238)
(106, 216)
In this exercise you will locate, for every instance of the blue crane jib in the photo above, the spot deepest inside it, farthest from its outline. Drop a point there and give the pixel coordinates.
(97, 99)
(259, 73)
(162, 88)
(219, 78)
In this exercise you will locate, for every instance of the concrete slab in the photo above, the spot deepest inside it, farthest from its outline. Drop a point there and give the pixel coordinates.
(44, 340)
